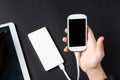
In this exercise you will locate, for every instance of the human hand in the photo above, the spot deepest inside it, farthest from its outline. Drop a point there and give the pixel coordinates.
(90, 59)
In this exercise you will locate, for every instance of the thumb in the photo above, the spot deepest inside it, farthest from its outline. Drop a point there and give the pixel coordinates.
(100, 47)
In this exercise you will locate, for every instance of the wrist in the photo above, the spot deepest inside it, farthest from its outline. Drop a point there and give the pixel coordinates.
(96, 73)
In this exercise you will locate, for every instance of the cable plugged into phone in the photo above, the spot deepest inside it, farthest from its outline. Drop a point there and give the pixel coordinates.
(77, 63)
(77, 35)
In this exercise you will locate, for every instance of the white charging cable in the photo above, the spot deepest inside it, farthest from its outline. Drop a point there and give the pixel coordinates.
(62, 67)
(77, 62)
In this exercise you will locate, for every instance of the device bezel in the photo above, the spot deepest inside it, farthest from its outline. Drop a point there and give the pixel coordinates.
(76, 16)
(18, 49)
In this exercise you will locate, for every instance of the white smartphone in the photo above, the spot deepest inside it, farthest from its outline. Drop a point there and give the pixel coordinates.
(77, 32)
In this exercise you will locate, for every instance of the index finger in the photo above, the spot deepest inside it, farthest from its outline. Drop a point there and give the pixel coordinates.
(66, 30)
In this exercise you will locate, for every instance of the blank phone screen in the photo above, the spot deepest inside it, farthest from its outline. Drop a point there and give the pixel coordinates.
(77, 32)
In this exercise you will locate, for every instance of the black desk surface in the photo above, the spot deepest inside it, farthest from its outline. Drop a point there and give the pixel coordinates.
(30, 15)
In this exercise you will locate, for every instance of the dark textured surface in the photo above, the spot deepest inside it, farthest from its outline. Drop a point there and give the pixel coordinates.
(30, 15)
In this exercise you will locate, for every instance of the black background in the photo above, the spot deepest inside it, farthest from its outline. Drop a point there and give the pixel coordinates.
(30, 15)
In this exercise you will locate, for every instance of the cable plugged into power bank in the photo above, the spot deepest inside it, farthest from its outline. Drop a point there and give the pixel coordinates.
(62, 67)
(46, 50)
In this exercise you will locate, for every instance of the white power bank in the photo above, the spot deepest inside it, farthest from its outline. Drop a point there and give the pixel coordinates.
(45, 48)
